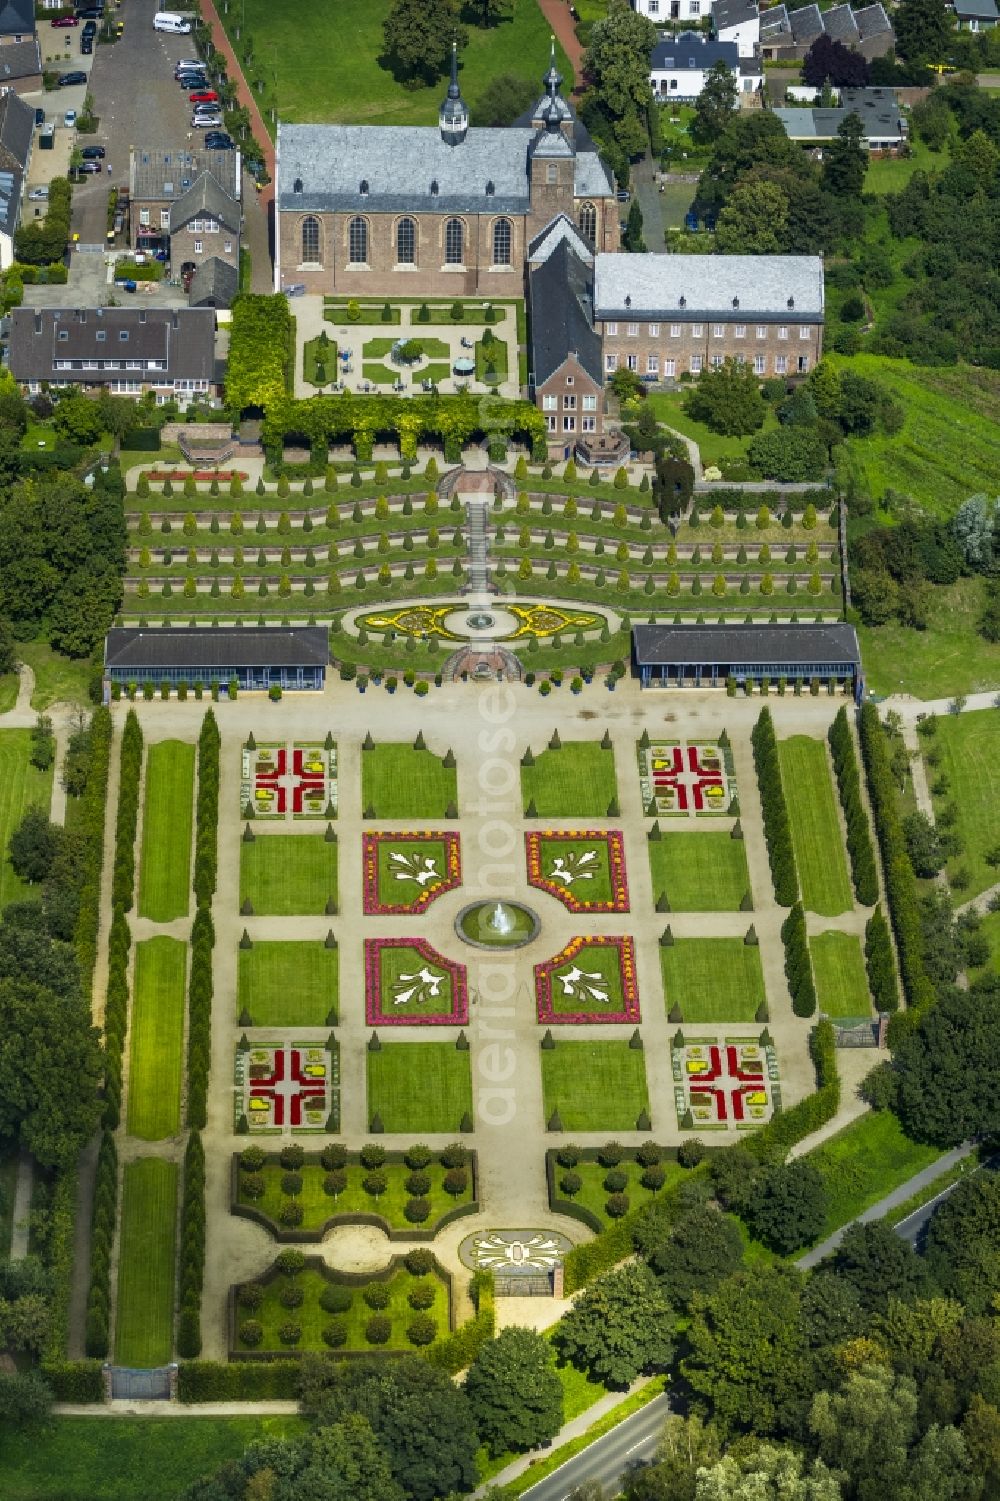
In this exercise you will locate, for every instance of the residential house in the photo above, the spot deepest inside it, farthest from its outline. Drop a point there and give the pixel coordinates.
(17, 133)
(186, 205)
(565, 360)
(20, 55)
(680, 65)
(974, 15)
(662, 11)
(127, 351)
(787, 35)
(885, 128)
(737, 21)
(205, 226)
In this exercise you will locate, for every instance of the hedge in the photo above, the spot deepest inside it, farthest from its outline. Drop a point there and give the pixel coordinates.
(79, 1381)
(191, 1274)
(859, 842)
(258, 352)
(900, 881)
(59, 1260)
(102, 1234)
(798, 965)
(773, 1141)
(123, 878)
(460, 1349)
(119, 937)
(777, 829)
(880, 963)
(250, 1381)
(90, 825)
(200, 985)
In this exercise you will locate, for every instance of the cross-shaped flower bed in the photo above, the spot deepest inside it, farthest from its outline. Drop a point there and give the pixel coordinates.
(727, 1082)
(404, 873)
(686, 779)
(591, 980)
(281, 1086)
(582, 868)
(408, 983)
(276, 781)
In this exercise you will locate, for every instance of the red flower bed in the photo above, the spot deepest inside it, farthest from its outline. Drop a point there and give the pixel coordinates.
(372, 903)
(200, 476)
(614, 843)
(545, 975)
(376, 1016)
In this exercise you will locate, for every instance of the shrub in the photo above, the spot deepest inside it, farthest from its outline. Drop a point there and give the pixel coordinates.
(617, 1206)
(334, 1183)
(653, 1178)
(422, 1296)
(292, 1156)
(336, 1299)
(372, 1155)
(421, 1330)
(648, 1155)
(335, 1333)
(417, 1210)
(455, 1155)
(456, 1181)
(419, 1261)
(418, 1156)
(290, 1333)
(251, 1296)
(291, 1184)
(418, 1184)
(376, 1295)
(378, 1329)
(292, 1296)
(611, 1154)
(291, 1262)
(333, 1156)
(251, 1333)
(291, 1213)
(253, 1186)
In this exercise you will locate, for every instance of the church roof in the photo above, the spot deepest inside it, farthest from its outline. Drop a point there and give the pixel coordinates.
(558, 229)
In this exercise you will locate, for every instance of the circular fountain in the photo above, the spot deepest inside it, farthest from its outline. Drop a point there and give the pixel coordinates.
(497, 925)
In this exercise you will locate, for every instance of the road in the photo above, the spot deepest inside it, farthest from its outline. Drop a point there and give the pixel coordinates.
(606, 1460)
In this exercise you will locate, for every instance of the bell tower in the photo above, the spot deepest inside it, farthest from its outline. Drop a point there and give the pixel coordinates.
(453, 116)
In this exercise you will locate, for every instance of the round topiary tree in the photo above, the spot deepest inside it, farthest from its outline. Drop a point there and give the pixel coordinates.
(251, 1296)
(336, 1299)
(292, 1296)
(252, 1159)
(251, 1333)
(421, 1330)
(418, 1156)
(335, 1333)
(252, 1186)
(291, 1213)
(611, 1154)
(418, 1185)
(422, 1296)
(372, 1155)
(334, 1183)
(290, 1333)
(617, 1206)
(378, 1329)
(377, 1296)
(291, 1262)
(417, 1210)
(616, 1181)
(291, 1184)
(456, 1181)
(570, 1184)
(334, 1156)
(292, 1156)
(455, 1155)
(419, 1261)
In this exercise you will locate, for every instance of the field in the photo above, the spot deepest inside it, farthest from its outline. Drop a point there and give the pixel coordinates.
(144, 1326)
(165, 873)
(288, 875)
(312, 1319)
(21, 787)
(157, 1039)
(8, 691)
(288, 984)
(865, 1162)
(970, 746)
(400, 782)
(318, 1206)
(812, 810)
(419, 1087)
(578, 780)
(118, 1459)
(594, 1086)
(839, 967)
(312, 80)
(948, 657)
(713, 979)
(699, 872)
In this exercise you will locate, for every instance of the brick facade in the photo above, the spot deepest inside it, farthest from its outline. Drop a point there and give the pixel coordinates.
(676, 348)
(572, 403)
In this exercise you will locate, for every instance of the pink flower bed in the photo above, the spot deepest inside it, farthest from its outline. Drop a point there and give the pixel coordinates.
(376, 1015)
(200, 476)
(374, 906)
(574, 954)
(614, 843)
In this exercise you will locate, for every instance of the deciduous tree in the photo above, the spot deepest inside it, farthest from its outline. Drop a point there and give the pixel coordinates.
(619, 1327)
(515, 1391)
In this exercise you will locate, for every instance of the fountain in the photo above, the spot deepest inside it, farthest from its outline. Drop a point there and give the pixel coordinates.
(497, 925)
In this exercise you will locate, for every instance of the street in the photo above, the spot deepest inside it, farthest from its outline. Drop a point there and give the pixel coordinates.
(631, 1444)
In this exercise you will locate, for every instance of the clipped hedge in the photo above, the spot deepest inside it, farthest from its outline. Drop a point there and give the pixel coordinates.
(880, 963)
(90, 825)
(200, 984)
(250, 1381)
(191, 1274)
(777, 829)
(78, 1381)
(859, 841)
(59, 1260)
(460, 1348)
(773, 1142)
(102, 1234)
(798, 965)
(123, 877)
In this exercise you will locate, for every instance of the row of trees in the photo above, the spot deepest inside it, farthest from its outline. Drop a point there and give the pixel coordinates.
(102, 1235)
(777, 829)
(880, 963)
(859, 840)
(119, 936)
(191, 1265)
(798, 966)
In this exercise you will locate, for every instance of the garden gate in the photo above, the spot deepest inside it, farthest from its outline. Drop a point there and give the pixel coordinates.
(133, 1384)
(862, 1033)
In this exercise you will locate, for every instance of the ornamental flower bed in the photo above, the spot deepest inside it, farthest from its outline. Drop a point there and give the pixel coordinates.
(276, 781)
(686, 779)
(409, 984)
(582, 868)
(732, 1082)
(404, 873)
(590, 980)
(281, 1087)
(200, 476)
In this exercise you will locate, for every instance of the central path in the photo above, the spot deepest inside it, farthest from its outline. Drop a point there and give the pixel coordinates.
(477, 516)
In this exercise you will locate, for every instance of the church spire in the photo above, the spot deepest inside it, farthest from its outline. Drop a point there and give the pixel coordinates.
(453, 116)
(553, 78)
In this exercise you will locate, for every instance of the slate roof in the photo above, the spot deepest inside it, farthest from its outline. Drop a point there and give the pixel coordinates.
(774, 22)
(217, 646)
(558, 229)
(157, 176)
(840, 24)
(17, 17)
(20, 60)
(803, 26)
(184, 337)
(806, 24)
(708, 285)
(691, 50)
(756, 645)
(979, 10)
(205, 198)
(11, 184)
(726, 13)
(873, 21)
(17, 124)
(878, 109)
(214, 284)
(560, 292)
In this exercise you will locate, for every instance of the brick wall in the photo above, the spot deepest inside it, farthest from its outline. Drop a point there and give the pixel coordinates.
(687, 343)
(567, 387)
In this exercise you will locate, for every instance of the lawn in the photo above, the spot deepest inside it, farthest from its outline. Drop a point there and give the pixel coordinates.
(419, 1087)
(699, 872)
(309, 80)
(313, 351)
(865, 1162)
(491, 356)
(288, 985)
(319, 1206)
(58, 679)
(594, 1086)
(118, 1459)
(157, 1039)
(713, 979)
(819, 845)
(8, 691)
(165, 873)
(145, 1321)
(839, 967)
(312, 1319)
(714, 447)
(948, 657)
(288, 875)
(970, 746)
(400, 782)
(890, 174)
(593, 1195)
(575, 781)
(21, 787)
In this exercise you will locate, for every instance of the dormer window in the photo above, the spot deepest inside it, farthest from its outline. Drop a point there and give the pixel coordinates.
(434, 188)
(736, 302)
(682, 302)
(297, 185)
(628, 300)
(363, 190)
(791, 302)
(490, 188)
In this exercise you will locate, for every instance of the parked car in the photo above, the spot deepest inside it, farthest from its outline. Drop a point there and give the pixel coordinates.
(89, 28)
(205, 122)
(93, 153)
(192, 77)
(38, 195)
(188, 62)
(65, 21)
(89, 167)
(218, 140)
(66, 80)
(203, 96)
(119, 28)
(69, 119)
(86, 46)
(91, 13)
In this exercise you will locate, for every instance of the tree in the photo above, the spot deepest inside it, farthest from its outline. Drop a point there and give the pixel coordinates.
(699, 1251)
(845, 161)
(619, 1327)
(831, 1311)
(923, 32)
(728, 400)
(767, 1473)
(515, 1391)
(935, 1061)
(686, 1446)
(878, 1265)
(789, 1205)
(340, 1462)
(505, 97)
(962, 1239)
(33, 846)
(618, 61)
(922, 844)
(791, 454)
(8, 651)
(632, 240)
(25, 1400)
(865, 1429)
(754, 219)
(716, 104)
(418, 36)
(625, 384)
(45, 1040)
(988, 624)
(973, 526)
(830, 62)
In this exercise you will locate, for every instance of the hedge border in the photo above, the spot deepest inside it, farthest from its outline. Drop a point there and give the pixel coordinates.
(859, 840)
(102, 1233)
(93, 812)
(777, 828)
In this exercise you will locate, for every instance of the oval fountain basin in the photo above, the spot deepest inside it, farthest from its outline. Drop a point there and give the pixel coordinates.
(497, 925)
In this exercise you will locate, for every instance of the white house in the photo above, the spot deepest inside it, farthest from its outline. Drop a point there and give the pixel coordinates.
(680, 65)
(672, 10)
(737, 21)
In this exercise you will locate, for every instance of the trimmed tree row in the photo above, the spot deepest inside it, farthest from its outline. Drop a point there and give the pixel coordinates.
(102, 1234)
(798, 967)
(192, 1250)
(119, 938)
(859, 842)
(777, 829)
(880, 963)
(90, 825)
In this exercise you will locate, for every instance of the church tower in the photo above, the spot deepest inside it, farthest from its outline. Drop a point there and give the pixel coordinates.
(553, 154)
(453, 116)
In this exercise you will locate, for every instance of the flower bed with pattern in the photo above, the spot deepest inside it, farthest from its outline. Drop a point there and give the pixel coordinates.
(276, 780)
(583, 869)
(732, 1081)
(591, 980)
(686, 779)
(280, 1086)
(404, 873)
(408, 983)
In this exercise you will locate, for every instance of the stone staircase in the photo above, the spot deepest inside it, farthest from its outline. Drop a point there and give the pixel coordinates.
(477, 520)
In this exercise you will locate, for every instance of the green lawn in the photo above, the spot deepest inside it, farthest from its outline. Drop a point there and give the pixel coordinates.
(593, 1195)
(318, 1206)
(119, 1459)
(314, 350)
(165, 872)
(21, 787)
(865, 1162)
(812, 810)
(8, 691)
(839, 967)
(970, 745)
(890, 174)
(495, 356)
(713, 979)
(157, 1039)
(948, 657)
(58, 679)
(714, 447)
(578, 780)
(312, 1319)
(595, 1086)
(419, 1086)
(289, 984)
(400, 782)
(699, 872)
(144, 1326)
(285, 875)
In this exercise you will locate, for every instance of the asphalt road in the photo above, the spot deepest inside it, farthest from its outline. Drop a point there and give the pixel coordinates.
(631, 1444)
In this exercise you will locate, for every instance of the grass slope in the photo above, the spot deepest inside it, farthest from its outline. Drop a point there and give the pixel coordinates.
(948, 657)
(839, 967)
(144, 1326)
(288, 875)
(288, 984)
(21, 787)
(819, 845)
(865, 1162)
(970, 745)
(699, 872)
(419, 1086)
(157, 1039)
(165, 873)
(595, 1086)
(713, 979)
(578, 780)
(400, 782)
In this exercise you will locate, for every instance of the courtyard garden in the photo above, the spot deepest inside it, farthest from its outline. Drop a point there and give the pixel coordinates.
(145, 1319)
(404, 873)
(583, 869)
(407, 781)
(698, 872)
(157, 1038)
(839, 970)
(291, 983)
(712, 980)
(575, 778)
(288, 875)
(820, 854)
(594, 1086)
(420, 1088)
(165, 869)
(591, 980)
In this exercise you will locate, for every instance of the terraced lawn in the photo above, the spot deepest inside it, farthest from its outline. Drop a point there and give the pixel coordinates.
(288, 984)
(839, 968)
(820, 854)
(288, 875)
(577, 780)
(157, 1039)
(419, 1087)
(400, 782)
(712, 979)
(699, 872)
(165, 870)
(144, 1325)
(21, 787)
(594, 1086)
